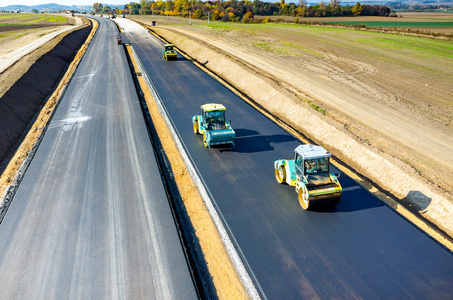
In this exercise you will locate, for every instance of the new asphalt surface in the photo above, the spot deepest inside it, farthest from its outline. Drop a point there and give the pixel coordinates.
(358, 249)
(91, 219)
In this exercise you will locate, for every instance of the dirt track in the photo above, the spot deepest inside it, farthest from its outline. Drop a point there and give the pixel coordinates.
(388, 112)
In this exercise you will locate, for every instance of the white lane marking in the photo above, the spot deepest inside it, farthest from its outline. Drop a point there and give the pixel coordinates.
(352, 188)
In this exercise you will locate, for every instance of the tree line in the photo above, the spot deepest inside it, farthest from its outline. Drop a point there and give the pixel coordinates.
(234, 10)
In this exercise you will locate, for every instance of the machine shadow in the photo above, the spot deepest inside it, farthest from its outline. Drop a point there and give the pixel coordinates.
(421, 200)
(249, 141)
(348, 204)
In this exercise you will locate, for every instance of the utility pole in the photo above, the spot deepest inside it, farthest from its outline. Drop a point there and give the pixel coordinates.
(190, 21)
(208, 18)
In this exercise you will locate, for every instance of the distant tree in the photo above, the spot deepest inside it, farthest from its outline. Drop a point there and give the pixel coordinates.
(198, 14)
(225, 18)
(215, 16)
(248, 15)
(35, 11)
(384, 11)
(134, 8)
(97, 7)
(145, 3)
(302, 3)
(357, 9)
(334, 3)
(106, 9)
(335, 7)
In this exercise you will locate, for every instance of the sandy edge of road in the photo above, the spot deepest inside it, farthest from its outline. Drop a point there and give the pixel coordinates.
(407, 187)
(15, 169)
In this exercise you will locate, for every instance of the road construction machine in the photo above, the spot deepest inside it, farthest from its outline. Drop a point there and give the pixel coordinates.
(212, 125)
(169, 53)
(309, 172)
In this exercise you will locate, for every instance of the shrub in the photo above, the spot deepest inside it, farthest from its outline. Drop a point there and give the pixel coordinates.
(215, 16)
(267, 20)
(248, 15)
(198, 14)
(225, 18)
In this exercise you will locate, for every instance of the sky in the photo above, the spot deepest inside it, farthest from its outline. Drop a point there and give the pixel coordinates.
(62, 2)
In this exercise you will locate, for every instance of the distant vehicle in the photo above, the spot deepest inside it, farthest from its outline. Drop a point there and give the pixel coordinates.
(119, 41)
(169, 52)
(309, 173)
(212, 125)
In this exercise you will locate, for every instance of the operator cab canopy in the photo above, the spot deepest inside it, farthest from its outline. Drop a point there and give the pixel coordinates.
(312, 151)
(168, 47)
(212, 107)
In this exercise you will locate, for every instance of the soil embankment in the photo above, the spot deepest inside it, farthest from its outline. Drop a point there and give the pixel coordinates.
(22, 102)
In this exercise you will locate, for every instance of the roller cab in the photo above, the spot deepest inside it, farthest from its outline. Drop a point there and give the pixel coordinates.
(309, 173)
(212, 125)
(169, 53)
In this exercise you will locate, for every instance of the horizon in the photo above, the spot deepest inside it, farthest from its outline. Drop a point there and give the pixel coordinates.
(4, 3)
(63, 2)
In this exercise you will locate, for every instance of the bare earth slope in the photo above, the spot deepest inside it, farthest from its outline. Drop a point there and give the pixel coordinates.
(388, 104)
(26, 83)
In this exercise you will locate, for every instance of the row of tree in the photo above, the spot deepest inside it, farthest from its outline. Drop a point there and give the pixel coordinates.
(234, 10)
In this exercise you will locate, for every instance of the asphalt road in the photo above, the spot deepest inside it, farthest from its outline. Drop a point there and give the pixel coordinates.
(91, 219)
(358, 249)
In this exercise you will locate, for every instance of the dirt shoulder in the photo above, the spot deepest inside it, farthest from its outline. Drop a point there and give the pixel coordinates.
(383, 116)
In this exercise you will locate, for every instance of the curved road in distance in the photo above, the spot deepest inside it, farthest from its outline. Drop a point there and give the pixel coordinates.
(91, 219)
(358, 249)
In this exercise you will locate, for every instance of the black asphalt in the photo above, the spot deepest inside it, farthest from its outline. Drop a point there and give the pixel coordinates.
(91, 219)
(358, 249)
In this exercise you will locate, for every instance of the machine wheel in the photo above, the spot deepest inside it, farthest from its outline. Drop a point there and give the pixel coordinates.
(280, 174)
(195, 127)
(204, 140)
(337, 201)
(303, 198)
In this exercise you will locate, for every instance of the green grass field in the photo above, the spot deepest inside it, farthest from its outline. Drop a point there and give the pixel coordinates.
(13, 26)
(394, 24)
(28, 19)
